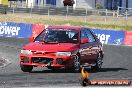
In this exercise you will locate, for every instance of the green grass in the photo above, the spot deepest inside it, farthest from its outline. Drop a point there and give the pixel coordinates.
(71, 21)
(87, 24)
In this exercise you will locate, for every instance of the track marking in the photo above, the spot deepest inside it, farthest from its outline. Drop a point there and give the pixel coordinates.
(4, 62)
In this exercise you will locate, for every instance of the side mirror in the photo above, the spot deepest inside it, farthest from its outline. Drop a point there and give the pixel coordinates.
(31, 39)
(83, 41)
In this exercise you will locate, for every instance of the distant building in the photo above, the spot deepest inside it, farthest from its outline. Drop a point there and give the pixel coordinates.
(91, 4)
(113, 4)
(127, 3)
(59, 3)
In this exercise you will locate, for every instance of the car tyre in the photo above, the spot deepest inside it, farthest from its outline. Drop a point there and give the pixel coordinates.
(26, 68)
(99, 61)
(76, 66)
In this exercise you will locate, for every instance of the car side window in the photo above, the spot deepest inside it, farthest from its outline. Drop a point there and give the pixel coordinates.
(90, 36)
(83, 34)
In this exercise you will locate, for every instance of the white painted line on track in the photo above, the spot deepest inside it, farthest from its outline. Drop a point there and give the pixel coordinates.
(4, 62)
(79, 87)
(117, 45)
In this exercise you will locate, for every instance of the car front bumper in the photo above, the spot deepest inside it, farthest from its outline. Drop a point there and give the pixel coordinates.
(46, 60)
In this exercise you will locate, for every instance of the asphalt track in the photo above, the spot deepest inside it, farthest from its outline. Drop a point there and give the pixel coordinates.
(117, 65)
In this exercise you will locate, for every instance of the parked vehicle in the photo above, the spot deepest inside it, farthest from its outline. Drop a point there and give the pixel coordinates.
(68, 2)
(63, 47)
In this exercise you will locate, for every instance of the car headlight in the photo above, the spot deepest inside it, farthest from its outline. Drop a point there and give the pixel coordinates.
(26, 52)
(63, 54)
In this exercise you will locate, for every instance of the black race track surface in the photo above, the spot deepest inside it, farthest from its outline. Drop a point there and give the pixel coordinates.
(117, 65)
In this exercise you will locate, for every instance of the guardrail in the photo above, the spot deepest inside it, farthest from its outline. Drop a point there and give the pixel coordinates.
(84, 14)
(122, 11)
(3, 9)
(64, 11)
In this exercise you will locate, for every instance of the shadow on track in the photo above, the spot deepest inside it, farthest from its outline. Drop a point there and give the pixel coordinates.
(112, 69)
(89, 70)
(55, 71)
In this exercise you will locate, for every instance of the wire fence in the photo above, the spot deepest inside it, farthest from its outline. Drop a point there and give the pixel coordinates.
(122, 11)
(87, 15)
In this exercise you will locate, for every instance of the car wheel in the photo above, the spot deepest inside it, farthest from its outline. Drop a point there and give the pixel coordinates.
(99, 62)
(26, 68)
(77, 63)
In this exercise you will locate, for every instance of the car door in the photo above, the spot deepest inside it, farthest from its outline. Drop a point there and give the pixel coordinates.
(85, 49)
(93, 45)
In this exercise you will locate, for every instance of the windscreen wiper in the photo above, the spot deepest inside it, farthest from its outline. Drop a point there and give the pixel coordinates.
(49, 42)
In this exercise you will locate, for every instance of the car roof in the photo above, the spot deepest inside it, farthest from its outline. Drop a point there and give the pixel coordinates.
(66, 27)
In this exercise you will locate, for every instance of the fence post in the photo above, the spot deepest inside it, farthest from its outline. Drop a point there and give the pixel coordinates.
(13, 10)
(126, 16)
(26, 5)
(21, 4)
(106, 14)
(48, 11)
(118, 11)
(67, 11)
(10, 4)
(16, 3)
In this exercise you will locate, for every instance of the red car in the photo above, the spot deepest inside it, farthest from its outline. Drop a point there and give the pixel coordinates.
(62, 47)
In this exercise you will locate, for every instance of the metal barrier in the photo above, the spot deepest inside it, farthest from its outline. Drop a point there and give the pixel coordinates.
(3, 9)
(48, 9)
(64, 11)
(67, 12)
(122, 11)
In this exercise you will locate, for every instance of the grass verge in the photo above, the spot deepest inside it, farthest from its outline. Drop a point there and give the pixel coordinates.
(74, 21)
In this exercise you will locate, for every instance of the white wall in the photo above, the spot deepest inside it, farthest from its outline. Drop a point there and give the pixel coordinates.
(59, 3)
(123, 3)
(40, 2)
(33, 3)
(30, 3)
(75, 4)
(105, 4)
(91, 4)
(129, 3)
(85, 4)
(102, 3)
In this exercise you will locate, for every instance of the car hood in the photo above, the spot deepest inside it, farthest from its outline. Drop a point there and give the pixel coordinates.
(54, 47)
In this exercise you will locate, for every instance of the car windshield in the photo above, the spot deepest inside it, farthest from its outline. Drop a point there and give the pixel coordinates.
(58, 36)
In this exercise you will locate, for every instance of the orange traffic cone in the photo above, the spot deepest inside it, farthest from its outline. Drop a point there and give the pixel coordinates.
(85, 78)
